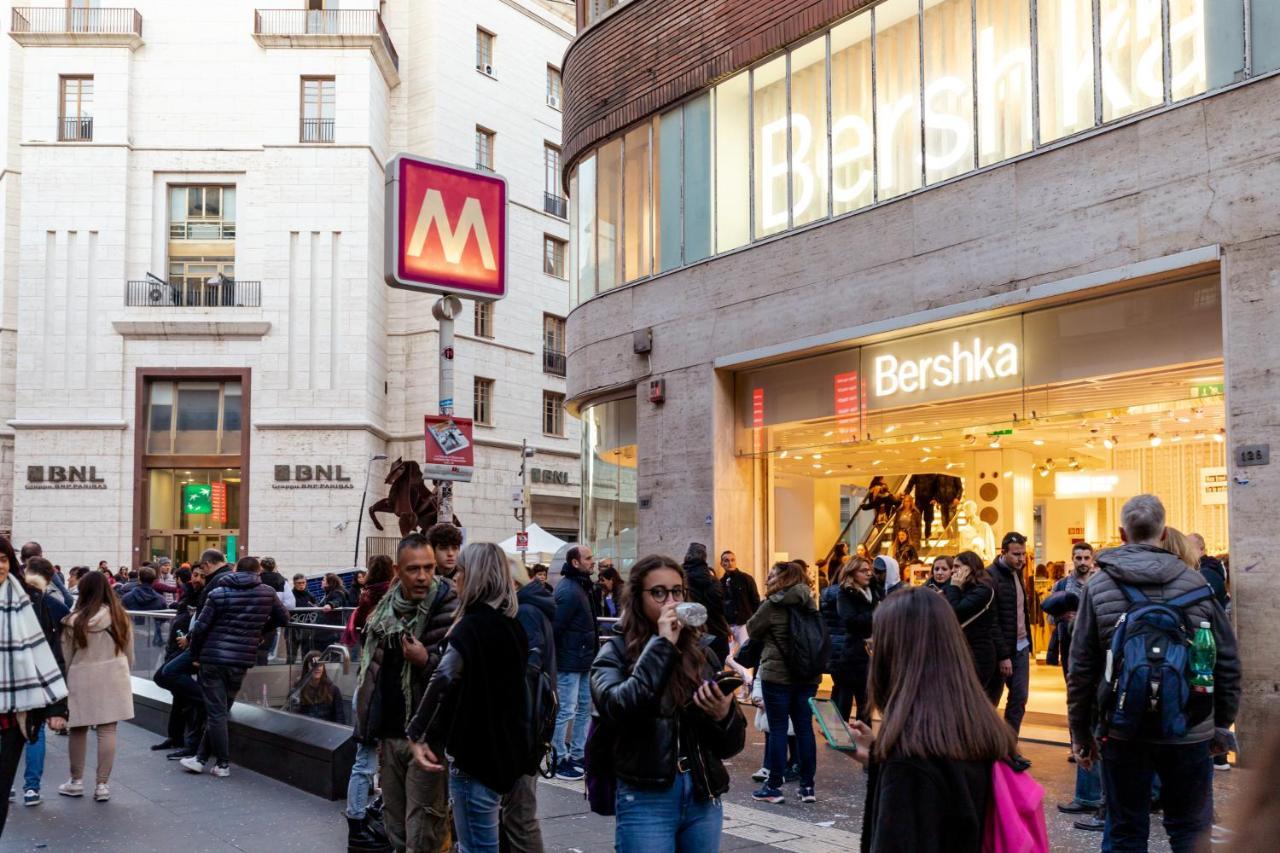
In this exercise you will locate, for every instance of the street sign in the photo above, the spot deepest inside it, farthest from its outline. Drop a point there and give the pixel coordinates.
(446, 229)
(450, 451)
(522, 540)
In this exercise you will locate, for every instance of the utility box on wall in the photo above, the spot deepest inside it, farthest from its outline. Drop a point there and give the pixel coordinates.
(657, 390)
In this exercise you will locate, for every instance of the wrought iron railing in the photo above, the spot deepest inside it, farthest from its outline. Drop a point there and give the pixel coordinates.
(556, 205)
(315, 130)
(75, 128)
(54, 20)
(335, 22)
(553, 362)
(229, 293)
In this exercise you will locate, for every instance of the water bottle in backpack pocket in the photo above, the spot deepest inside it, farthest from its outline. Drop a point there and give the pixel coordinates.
(1146, 690)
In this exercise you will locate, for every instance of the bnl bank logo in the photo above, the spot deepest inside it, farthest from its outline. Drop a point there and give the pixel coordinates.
(446, 229)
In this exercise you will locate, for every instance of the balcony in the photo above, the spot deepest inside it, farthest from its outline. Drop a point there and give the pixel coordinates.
(556, 205)
(315, 130)
(228, 293)
(204, 230)
(63, 26)
(329, 28)
(75, 128)
(553, 362)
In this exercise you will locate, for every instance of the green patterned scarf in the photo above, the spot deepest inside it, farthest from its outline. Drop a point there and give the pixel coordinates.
(394, 615)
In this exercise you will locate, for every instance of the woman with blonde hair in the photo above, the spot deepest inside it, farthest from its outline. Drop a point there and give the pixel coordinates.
(475, 693)
(97, 644)
(1177, 543)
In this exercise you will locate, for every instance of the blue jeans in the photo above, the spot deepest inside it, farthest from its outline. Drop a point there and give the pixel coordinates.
(663, 821)
(361, 781)
(574, 690)
(475, 813)
(1089, 786)
(1186, 772)
(35, 764)
(783, 702)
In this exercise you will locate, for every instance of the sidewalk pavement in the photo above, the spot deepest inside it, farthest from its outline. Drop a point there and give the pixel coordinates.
(156, 807)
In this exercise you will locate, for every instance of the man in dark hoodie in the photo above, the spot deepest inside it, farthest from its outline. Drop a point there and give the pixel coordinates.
(519, 829)
(576, 646)
(1013, 613)
(224, 640)
(705, 589)
(1183, 764)
(144, 595)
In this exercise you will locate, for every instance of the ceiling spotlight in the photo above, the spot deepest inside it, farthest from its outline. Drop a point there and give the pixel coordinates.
(1220, 436)
(1110, 443)
(1008, 475)
(829, 433)
(1199, 436)
(875, 462)
(1044, 472)
(951, 465)
(1176, 438)
(970, 439)
(817, 456)
(1184, 419)
(784, 454)
(890, 428)
(1073, 464)
(1155, 440)
(927, 449)
(799, 456)
(1090, 444)
(817, 465)
(1050, 464)
(1039, 442)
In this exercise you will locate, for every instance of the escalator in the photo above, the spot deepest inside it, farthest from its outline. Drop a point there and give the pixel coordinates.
(876, 535)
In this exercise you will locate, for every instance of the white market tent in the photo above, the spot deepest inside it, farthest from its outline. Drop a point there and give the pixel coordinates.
(542, 545)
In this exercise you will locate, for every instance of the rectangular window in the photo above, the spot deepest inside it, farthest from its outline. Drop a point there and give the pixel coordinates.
(484, 319)
(769, 130)
(202, 213)
(1132, 56)
(1207, 43)
(553, 357)
(897, 97)
(484, 51)
(638, 215)
(194, 417)
(318, 95)
(555, 92)
(1004, 79)
(484, 149)
(809, 132)
(609, 215)
(482, 403)
(75, 107)
(697, 179)
(1065, 31)
(667, 179)
(585, 237)
(733, 166)
(948, 90)
(552, 200)
(852, 152)
(1265, 18)
(553, 256)
(553, 413)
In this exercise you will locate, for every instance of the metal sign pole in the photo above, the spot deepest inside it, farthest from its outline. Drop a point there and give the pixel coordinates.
(445, 310)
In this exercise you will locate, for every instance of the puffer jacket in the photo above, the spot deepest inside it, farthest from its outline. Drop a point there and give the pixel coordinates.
(1160, 576)
(234, 617)
(771, 625)
(633, 697)
(856, 615)
(537, 612)
(1007, 605)
(829, 607)
(575, 621)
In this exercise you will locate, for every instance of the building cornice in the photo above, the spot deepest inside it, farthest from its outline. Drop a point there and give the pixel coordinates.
(385, 435)
(18, 423)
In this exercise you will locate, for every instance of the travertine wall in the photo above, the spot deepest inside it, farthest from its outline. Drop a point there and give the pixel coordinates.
(1199, 175)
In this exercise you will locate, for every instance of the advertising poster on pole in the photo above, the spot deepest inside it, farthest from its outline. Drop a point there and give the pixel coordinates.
(450, 451)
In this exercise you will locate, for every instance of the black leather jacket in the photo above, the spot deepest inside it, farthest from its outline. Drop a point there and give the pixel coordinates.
(649, 727)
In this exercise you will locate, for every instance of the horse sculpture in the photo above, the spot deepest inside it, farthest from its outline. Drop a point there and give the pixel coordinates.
(410, 498)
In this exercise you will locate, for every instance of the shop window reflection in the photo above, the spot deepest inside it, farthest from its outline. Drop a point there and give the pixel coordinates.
(852, 184)
(1004, 79)
(769, 120)
(609, 480)
(809, 132)
(1132, 57)
(609, 215)
(897, 97)
(948, 89)
(1065, 30)
(637, 233)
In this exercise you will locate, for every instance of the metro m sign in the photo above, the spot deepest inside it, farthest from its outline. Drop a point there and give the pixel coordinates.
(446, 229)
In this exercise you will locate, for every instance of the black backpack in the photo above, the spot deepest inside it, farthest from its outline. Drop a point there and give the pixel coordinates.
(543, 703)
(810, 647)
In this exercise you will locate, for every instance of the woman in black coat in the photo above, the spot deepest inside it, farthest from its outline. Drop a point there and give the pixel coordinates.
(856, 605)
(972, 594)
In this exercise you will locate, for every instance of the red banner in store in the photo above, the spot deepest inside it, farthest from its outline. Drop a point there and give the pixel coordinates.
(848, 403)
(757, 419)
(218, 500)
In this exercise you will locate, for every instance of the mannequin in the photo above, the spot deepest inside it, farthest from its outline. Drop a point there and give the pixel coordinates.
(976, 534)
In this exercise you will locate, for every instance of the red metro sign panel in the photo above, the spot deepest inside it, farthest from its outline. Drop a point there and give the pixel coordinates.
(446, 229)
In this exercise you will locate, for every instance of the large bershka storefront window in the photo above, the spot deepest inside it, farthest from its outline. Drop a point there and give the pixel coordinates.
(900, 96)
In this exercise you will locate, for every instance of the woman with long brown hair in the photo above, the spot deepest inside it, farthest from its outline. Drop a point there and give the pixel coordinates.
(97, 645)
(857, 604)
(673, 728)
(972, 595)
(786, 691)
(929, 782)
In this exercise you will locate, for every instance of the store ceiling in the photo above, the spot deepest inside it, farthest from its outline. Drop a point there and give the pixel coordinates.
(1064, 422)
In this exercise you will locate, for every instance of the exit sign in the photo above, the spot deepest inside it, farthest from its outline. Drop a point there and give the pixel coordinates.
(1212, 389)
(1000, 432)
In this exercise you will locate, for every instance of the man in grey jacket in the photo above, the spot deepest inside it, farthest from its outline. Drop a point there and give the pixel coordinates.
(1183, 764)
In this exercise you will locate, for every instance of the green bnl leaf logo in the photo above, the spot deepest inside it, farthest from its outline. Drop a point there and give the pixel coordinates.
(197, 499)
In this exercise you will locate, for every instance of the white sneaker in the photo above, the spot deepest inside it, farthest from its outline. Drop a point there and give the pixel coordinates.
(192, 765)
(101, 793)
(760, 775)
(71, 788)
(222, 771)
(1222, 768)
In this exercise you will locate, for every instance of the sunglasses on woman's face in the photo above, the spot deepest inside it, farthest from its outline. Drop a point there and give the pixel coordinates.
(661, 593)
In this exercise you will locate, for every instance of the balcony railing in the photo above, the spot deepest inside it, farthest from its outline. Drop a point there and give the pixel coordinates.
(326, 22)
(315, 130)
(192, 294)
(60, 20)
(553, 362)
(556, 205)
(202, 230)
(75, 128)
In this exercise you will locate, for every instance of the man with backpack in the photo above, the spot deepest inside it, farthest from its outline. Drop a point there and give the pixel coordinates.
(1132, 639)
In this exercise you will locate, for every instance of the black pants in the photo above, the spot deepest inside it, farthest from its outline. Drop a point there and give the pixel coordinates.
(12, 744)
(1186, 792)
(219, 684)
(849, 686)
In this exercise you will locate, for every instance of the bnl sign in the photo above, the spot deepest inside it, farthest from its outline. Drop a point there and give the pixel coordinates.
(446, 229)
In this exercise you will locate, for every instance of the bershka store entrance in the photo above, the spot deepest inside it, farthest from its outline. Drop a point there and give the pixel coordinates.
(1043, 421)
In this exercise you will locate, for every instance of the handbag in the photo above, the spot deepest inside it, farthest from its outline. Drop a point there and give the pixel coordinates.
(748, 654)
(1015, 814)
